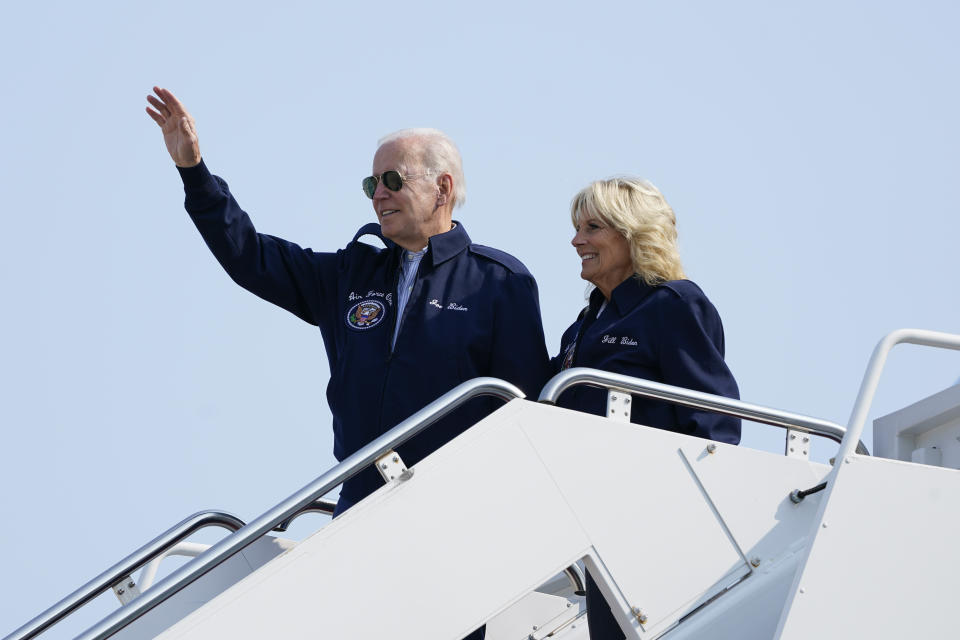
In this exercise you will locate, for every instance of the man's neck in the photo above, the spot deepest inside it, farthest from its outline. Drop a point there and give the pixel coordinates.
(420, 243)
(410, 246)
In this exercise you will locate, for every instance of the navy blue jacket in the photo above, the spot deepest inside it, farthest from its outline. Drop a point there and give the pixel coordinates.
(473, 311)
(668, 333)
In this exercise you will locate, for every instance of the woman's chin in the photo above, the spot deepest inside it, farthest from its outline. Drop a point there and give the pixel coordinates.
(587, 278)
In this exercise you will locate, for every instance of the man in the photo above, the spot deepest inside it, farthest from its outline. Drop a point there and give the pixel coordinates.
(401, 325)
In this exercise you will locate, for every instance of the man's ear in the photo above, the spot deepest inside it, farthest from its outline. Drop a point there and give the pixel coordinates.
(444, 188)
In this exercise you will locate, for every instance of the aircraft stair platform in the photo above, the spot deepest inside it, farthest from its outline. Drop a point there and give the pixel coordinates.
(686, 538)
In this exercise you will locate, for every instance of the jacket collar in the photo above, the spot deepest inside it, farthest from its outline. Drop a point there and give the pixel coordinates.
(443, 246)
(624, 297)
(373, 229)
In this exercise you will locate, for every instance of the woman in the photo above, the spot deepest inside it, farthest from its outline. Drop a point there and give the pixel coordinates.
(644, 320)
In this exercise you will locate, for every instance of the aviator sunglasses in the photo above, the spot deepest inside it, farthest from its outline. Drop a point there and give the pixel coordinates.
(391, 180)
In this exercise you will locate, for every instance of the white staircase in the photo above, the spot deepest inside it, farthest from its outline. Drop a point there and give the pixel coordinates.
(686, 538)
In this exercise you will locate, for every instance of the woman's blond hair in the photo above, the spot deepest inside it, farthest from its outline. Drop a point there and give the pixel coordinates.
(636, 209)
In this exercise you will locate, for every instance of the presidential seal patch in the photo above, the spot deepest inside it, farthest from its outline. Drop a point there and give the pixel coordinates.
(366, 314)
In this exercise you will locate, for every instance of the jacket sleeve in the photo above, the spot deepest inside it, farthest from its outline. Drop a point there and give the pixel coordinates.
(519, 349)
(691, 356)
(299, 280)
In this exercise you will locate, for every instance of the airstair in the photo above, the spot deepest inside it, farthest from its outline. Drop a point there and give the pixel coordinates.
(686, 538)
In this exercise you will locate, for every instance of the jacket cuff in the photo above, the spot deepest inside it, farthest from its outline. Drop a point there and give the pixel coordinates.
(194, 176)
(199, 185)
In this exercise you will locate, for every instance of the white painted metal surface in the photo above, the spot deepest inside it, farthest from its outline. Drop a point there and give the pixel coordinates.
(885, 561)
(916, 517)
(540, 615)
(926, 432)
(441, 539)
(797, 445)
(649, 511)
(618, 405)
(205, 589)
(642, 508)
(391, 467)
(686, 538)
(304, 499)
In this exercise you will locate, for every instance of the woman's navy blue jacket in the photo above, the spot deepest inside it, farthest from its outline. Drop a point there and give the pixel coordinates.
(473, 311)
(668, 333)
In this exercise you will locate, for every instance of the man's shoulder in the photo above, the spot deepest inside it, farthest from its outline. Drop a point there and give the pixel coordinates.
(499, 257)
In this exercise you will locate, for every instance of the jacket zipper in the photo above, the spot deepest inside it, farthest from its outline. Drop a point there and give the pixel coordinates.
(392, 344)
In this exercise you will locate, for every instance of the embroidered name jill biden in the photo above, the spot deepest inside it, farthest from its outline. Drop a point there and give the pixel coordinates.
(625, 340)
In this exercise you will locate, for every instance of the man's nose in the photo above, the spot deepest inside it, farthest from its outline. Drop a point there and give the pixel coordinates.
(381, 191)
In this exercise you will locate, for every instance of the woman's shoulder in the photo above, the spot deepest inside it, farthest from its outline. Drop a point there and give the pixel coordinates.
(684, 294)
(683, 289)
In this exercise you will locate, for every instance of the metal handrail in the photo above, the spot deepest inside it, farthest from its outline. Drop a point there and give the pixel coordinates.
(349, 467)
(149, 572)
(689, 398)
(124, 568)
(575, 576)
(319, 505)
(871, 378)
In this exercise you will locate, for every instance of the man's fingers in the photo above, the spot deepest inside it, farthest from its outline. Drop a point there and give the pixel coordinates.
(159, 119)
(159, 106)
(170, 101)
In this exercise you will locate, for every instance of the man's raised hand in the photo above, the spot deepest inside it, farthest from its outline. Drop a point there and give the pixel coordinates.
(179, 130)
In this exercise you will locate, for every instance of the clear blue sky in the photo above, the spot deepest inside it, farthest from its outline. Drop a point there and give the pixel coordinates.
(809, 149)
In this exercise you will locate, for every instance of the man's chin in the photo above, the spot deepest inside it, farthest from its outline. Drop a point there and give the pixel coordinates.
(390, 233)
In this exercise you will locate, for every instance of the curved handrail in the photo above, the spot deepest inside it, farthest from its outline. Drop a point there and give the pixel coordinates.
(575, 576)
(124, 568)
(320, 505)
(871, 378)
(689, 398)
(284, 510)
(149, 572)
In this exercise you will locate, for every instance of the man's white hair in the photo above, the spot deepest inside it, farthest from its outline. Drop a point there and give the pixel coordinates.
(434, 153)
